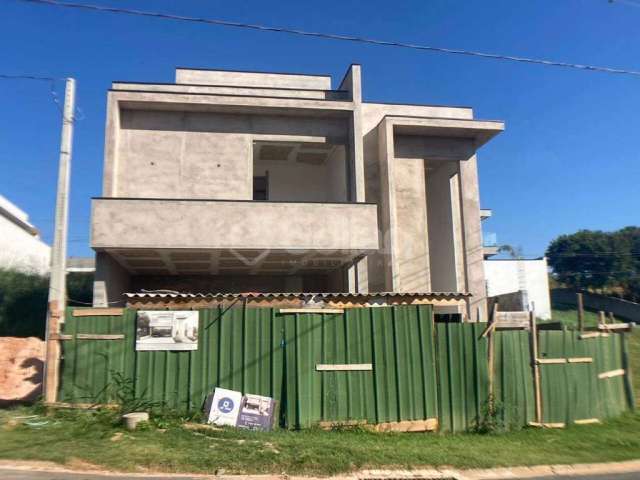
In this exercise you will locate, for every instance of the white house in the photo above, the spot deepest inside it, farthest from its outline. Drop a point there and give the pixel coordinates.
(531, 277)
(20, 245)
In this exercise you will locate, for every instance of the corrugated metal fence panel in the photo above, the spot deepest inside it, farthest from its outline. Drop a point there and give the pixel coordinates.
(88, 365)
(404, 363)
(608, 356)
(238, 349)
(398, 341)
(569, 390)
(513, 378)
(462, 375)
(573, 391)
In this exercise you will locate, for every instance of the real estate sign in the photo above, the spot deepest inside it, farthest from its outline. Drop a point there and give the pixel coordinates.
(256, 412)
(225, 407)
(167, 330)
(228, 407)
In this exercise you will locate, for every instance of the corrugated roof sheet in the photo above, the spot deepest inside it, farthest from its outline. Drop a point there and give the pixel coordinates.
(171, 294)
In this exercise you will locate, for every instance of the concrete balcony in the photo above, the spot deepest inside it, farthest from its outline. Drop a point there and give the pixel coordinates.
(149, 236)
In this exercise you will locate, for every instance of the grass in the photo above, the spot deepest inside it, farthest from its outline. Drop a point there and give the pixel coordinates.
(568, 315)
(81, 438)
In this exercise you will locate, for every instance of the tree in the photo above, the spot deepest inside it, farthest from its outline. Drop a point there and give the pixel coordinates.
(598, 260)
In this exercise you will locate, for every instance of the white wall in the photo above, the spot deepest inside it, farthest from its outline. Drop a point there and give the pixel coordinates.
(20, 250)
(507, 276)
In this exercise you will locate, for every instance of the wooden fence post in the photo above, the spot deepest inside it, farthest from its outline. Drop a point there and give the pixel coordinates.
(491, 348)
(580, 312)
(536, 367)
(602, 319)
(52, 359)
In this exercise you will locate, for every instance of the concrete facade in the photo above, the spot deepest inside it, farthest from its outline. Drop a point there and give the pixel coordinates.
(275, 181)
(20, 245)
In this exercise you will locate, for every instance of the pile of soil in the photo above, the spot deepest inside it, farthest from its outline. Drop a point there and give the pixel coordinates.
(21, 369)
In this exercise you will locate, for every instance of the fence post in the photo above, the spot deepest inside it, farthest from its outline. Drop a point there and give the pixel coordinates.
(602, 320)
(536, 367)
(580, 312)
(491, 348)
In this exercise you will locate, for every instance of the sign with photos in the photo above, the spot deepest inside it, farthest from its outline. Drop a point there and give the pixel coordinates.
(167, 330)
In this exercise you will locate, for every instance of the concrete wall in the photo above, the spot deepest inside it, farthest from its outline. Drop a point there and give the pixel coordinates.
(412, 242)
(252, 79)
(532, 276)
(228, 224)
(111, 281)
(163, 154)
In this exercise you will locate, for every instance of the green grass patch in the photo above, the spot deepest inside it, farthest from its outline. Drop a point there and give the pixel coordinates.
(81, 437)
(568, 315)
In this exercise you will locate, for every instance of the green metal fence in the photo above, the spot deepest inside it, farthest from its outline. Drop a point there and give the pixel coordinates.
(462, 375)
(420, 371)
(263, 351)
(513, 385)
(580, 389)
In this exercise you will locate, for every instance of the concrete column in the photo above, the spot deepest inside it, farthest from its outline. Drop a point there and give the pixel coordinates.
(472, 239)
(111, 145)
(352, 82)
(110, 283)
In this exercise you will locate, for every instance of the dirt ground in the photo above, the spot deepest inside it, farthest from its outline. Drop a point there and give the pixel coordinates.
(21, 369)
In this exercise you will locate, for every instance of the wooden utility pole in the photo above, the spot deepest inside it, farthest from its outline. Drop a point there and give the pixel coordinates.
(580, 312)
(58, 281)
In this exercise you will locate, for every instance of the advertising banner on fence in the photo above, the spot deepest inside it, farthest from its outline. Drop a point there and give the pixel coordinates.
(167, 330)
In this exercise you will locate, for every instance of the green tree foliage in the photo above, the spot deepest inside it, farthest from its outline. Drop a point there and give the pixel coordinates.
(593, 259)
(23, 300)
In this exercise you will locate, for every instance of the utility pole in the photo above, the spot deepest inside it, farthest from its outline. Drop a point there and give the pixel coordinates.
(58, 280)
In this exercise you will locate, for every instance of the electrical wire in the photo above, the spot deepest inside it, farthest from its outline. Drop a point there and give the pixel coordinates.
(330, 36)
(52, 89)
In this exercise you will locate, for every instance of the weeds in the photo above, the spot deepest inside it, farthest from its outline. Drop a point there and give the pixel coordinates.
(491, 419)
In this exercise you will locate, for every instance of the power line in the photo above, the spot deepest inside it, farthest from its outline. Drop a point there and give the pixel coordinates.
(52, 89)
(27, 77)
(330, 36)
(598, 254)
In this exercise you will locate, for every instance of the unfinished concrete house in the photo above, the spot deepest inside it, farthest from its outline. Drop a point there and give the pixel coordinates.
(269, 182)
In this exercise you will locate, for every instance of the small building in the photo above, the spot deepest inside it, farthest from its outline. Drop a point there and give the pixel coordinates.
(520, 284)
(21, 247)
(231, 182)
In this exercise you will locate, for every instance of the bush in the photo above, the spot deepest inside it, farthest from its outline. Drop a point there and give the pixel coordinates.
(23, 300)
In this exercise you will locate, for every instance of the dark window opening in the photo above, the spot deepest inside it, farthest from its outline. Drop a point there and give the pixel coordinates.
(261, 187)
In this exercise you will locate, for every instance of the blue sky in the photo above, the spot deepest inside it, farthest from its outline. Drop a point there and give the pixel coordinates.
(567, 160)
